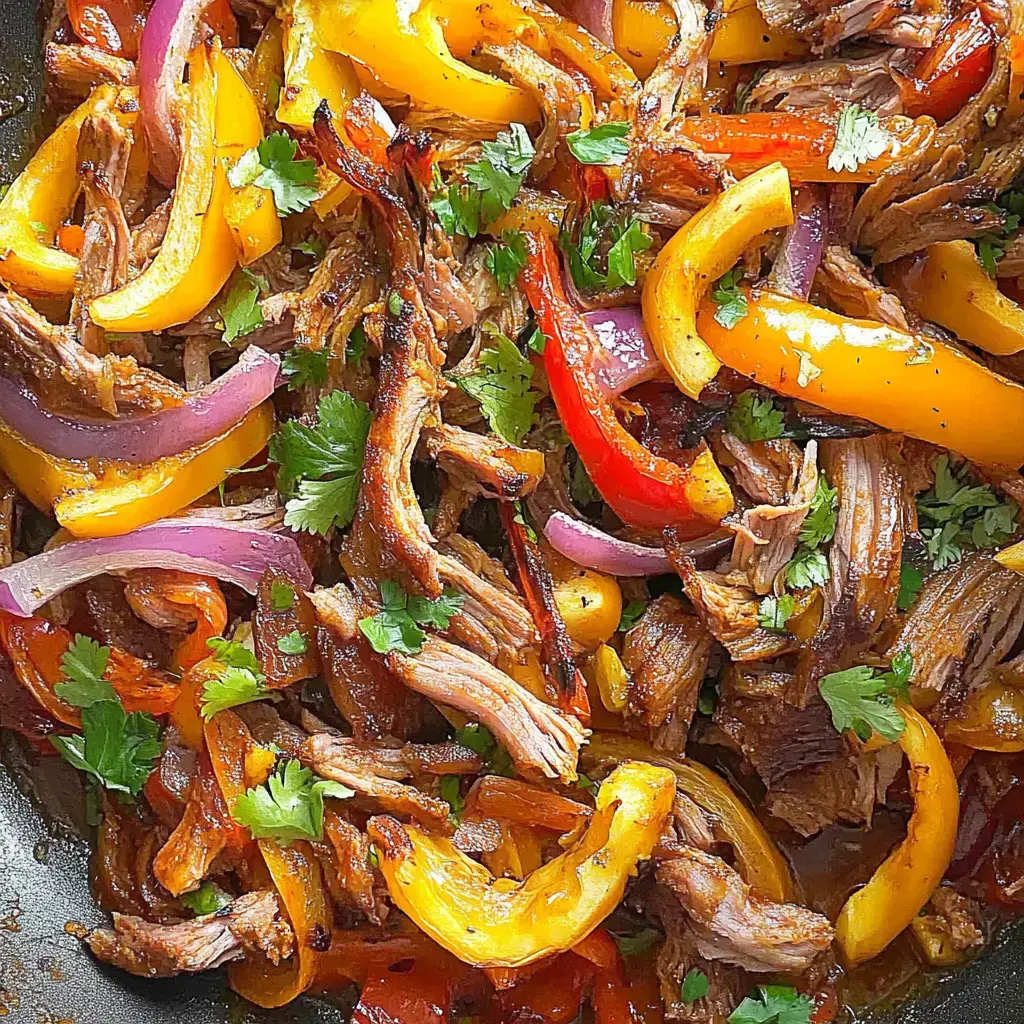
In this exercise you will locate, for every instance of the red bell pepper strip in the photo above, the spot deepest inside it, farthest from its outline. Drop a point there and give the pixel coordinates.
(642, 489)
(949, 73)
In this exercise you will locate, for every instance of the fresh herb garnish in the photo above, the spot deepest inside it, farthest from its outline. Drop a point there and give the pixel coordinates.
(584, 254)
(581, 487)
(396, 627)
(356, 346)
(325, 461)
(911, 582)
(240, 681)
(752, 417)
(505, 259)
(500, 382)
(820, 525)
(638, 943)
(862, 698)
(311, 245)
(744, 91)
(958, 514)
(480, 740)
(859, 139)
(695, 986)
(632, 612)
(774, 612)
(272, 165)
(83, 664)
(808, 568)
(240, 309)
(282, 596)
(451, 794)
(604, 145)
(289, 807)
(775, 1004)
(536, 341)
(732, 303)
(303, 365)
(293, 643)
(992, 246)
(207, 899)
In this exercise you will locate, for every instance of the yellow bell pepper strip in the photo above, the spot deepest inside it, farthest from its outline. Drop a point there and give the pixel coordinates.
(590, 605)
(642, 488)
(253, 221)
(199, 251)
(644, 30)
(118, 498)
(311, 73)
(949, 285)
(700, 252)
(501, 922)
(873, 916)
(44, 194)
(606, 671)
(863, 368)
(758, 858)
(265, 74)
(1015, 106)
(802, 141)
(405, 46)
(993, 716)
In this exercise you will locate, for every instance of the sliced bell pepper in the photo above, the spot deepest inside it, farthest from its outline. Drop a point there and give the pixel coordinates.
(873, 916)
(863, 368)
(701, 251)
(43, 196)
(1015, 105)
(956, 67)
(199, 250)
(949, 285)
(504, 923)
(591, 607)
(644, 31)
(405, 46)
(118, 498)
(641, 488)
(801, 141)
(311, 73)
(111, 25)
(265, 74)
(758, 858)
(992, 718)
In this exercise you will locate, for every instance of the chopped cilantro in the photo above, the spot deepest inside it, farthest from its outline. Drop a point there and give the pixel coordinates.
(631, 614)
(452, 795)
(732, 303)
(506, 258)
(501, 384)
(272, 165)
(602, 225)
(586, 783)
(233, 654)
(604, 145)
(744, 91)
(775, 1004)
(992, 246)
(820, 525)
(639, 942)
(290, 806)
(304, 365)
(240, 309)
(859, 139)
(396, 627)
(536, 342)
(395, 304)
(312, 245)
(695, 986)
(480, 740)
(774, 612)
(326, 461)
(282, 596)
(83, 664)
(753, 418)
(293, 643)
(356, 346)
(207, 899)
(862, 698)
(911, 582)
(808, 568)
(707, 698)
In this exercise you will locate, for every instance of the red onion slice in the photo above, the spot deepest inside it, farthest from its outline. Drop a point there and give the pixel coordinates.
(231, 553)
(588, 546)
(802, 246)
(626, 357)
(164, 47)
(203, 416)
(596, 17)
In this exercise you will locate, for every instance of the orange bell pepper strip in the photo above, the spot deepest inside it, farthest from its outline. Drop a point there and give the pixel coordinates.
(873, 916)
(701, 251)
(36, 647)
(117, 498)
(199, 250)
(956, 67)
(43, 196)
(862, 368)
(1015, 106)
(801, 141)
(758, 858)
(948, 285)
(642, 489)
(505, 923)
(114, 26)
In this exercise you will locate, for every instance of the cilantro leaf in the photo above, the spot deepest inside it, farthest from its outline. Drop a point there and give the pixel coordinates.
(312, 245)
(808, 568)
(303, 365)
(732, 303)
(240, 309)
(506, 258)
(744, 91)
(84, 663)
(774, 612)
(604, 145)
(501, 384)
(397, 626)
(629, 239)
(282, 596)
(695, 986)
(114, 749)
(859, 139)
(356, 346)
(272, 165)
(451, 794)
(820, 525)
(957, 514)
(207, 899)
(334, 449)
(631, 614)
(537, 342)
(776, 1004)
(911, 582)
(289, 807)
(753, 418)
(480, 740)
(233, 654)
(992, 246)
(586, 783)
(639, 943)
(707, 698)
(861, 698)
(230, 688)
(581, 487)
(602, 229)
(293, 643)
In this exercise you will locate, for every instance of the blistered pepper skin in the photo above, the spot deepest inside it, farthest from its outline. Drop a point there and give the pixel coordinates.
(492, 922)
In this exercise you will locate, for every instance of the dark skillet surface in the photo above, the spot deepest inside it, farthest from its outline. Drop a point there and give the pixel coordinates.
(46, 976)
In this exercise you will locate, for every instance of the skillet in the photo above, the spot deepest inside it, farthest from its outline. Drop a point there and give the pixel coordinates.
(46, 975)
